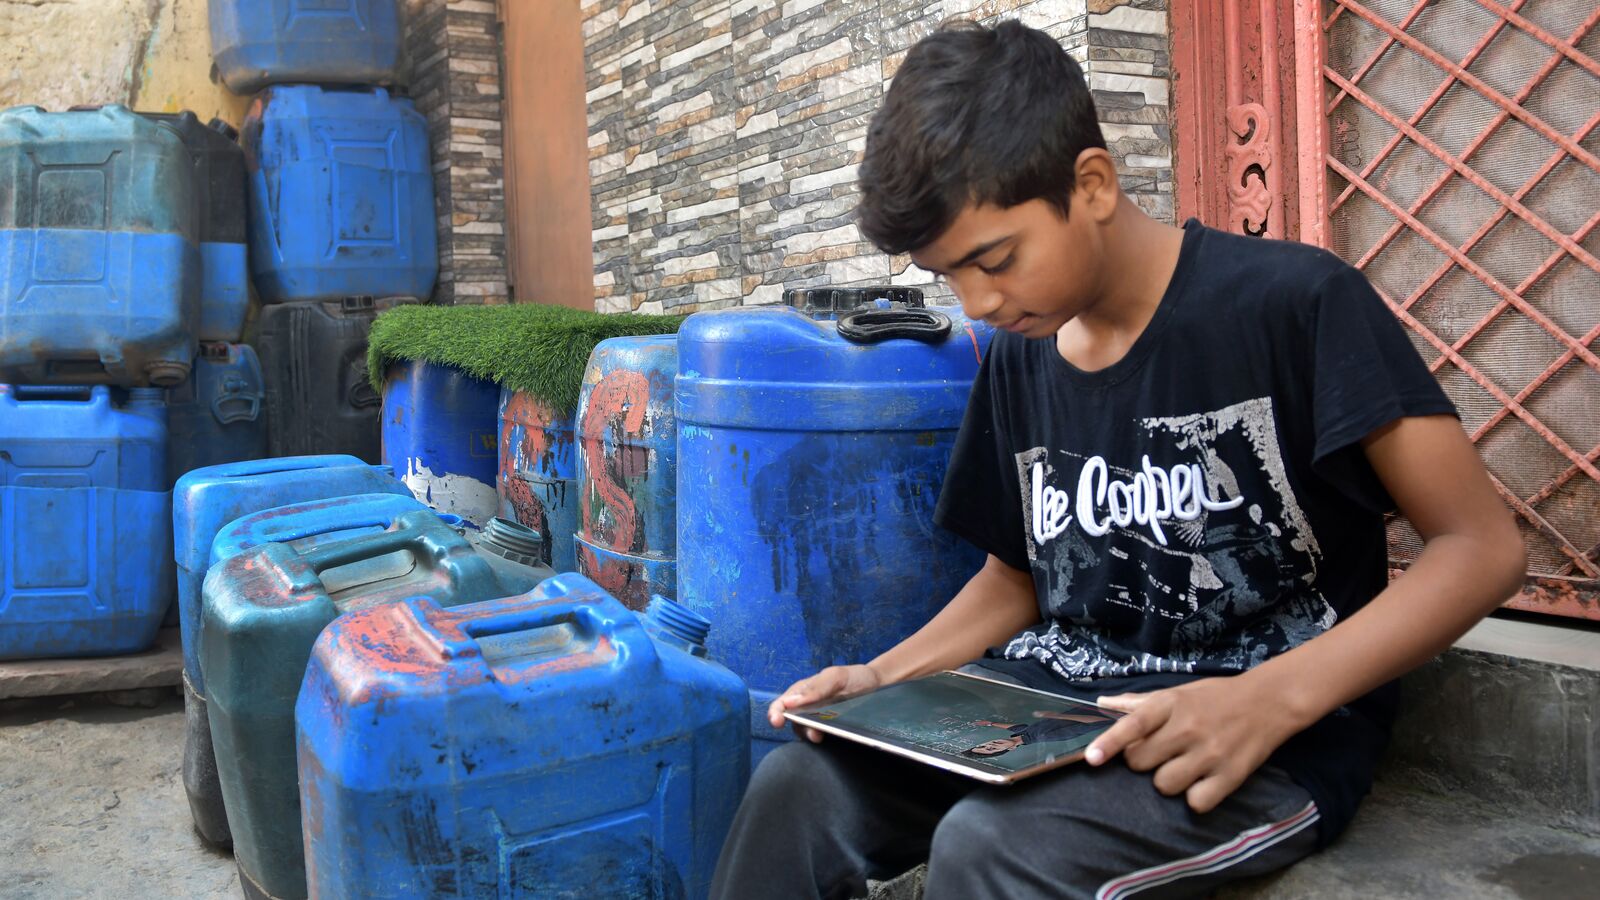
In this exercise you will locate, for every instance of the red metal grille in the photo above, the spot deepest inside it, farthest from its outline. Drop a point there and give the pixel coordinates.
(1460, 169)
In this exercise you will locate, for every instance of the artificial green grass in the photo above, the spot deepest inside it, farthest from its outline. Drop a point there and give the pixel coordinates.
(526, 347)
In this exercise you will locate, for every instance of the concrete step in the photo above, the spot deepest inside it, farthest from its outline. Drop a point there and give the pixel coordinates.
(1410, 844)
(1510, 715)
(159, 667)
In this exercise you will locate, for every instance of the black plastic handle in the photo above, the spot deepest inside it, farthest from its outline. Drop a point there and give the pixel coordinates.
(869, 326)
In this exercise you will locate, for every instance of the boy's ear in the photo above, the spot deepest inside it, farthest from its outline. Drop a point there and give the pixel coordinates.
(1096, 184)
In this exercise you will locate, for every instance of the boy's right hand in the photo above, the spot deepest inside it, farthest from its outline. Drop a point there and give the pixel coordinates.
(833, 681)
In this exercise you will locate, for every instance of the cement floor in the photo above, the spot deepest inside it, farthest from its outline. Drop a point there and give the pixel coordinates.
(94, 806)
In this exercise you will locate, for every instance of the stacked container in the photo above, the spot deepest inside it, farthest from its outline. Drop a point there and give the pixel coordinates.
(216, 415)
(84, 565)
(101, 235)
(99, 249)
(314, 359)
(341, 204)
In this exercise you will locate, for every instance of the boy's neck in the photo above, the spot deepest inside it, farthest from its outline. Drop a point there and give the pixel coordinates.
(1139, 259)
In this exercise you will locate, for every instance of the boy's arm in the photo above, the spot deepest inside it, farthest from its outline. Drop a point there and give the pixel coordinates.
(1204, 739)
(994, 605)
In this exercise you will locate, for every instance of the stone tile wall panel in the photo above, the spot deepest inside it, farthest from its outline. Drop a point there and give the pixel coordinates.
(454, 48)
(725, 135)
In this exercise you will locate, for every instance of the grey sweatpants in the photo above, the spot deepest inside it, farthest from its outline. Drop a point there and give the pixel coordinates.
(819, 820)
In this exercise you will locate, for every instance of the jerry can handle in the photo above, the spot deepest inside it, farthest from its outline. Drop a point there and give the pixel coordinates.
(309, 531)
(82, 393)
(513, 615)
(869, 326)
(246, 404)
(365, 547)
(363, 395)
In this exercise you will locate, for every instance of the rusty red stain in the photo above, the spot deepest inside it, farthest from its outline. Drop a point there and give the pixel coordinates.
(617, 404)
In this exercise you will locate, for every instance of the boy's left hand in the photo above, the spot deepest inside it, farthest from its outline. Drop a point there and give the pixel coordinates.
(1203, 739)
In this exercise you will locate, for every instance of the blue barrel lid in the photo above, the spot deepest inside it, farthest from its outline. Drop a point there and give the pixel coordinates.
(778, 368)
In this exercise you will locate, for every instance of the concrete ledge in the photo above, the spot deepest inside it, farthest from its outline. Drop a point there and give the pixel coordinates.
(160, 666)
(1510, 715)
(1407, 844)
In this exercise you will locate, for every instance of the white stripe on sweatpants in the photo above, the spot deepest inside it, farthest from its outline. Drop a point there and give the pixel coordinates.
(1247, 844)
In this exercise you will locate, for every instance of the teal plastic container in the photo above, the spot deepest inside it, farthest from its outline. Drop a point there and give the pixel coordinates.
(548, 745)
(99, 249)
(204, 502)
(262, 613)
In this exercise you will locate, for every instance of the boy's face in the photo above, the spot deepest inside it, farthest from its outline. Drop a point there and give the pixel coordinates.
(1023, 268)
(996, 746)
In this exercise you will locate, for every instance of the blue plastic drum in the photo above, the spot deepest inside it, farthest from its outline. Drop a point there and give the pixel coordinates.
(627, 537)
(811, 452)
(441, 436)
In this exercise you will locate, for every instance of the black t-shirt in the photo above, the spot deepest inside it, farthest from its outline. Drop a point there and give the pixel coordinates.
(1202, 504)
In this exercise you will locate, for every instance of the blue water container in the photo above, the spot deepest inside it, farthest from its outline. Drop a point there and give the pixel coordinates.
(627, 537)
(218, 172)
(547, 745)
(341, 195)
(811, 451)
(538, 473)
(303, 527)
(205, 500)
(84, 563)
(99, 252)
(216, 415)
(263, 611)
(441, 432)
(260, 42)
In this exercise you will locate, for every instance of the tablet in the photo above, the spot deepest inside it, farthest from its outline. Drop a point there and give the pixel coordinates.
(992, 731)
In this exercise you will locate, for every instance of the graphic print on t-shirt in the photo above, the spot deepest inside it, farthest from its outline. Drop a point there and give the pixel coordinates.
(1196, 550)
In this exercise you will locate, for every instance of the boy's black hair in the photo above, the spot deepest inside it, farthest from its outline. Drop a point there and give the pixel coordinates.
(974, 115)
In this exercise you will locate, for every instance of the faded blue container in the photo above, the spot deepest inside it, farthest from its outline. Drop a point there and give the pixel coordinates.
(84, 563)
(341, 195)
(548, 745)
(808, 469)
(218, 173)
(260, 42)
(441, 437)
(204, 502)
(538, 477)
(627, 537)
(99, 253)
(263, 611)
(206, 499)
(216, 415)
(303, 526)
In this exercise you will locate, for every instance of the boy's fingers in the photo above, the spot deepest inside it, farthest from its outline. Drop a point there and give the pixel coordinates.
(1122, 702)
(1205, 795)
(1130, 729)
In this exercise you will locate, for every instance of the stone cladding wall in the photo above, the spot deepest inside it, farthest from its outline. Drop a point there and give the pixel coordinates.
(725, 135)
(454, 51)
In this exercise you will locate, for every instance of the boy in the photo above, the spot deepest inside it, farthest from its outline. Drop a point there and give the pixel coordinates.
(1177, 454)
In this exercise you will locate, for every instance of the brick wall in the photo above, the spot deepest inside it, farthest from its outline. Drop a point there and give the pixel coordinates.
(454, 51)
(724, 135)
